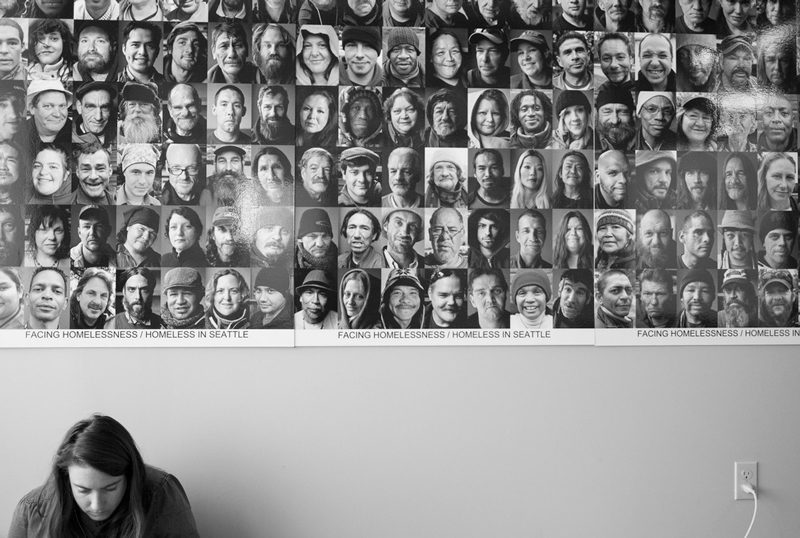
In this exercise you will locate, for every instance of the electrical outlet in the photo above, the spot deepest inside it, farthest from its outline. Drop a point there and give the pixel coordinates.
(745, 472)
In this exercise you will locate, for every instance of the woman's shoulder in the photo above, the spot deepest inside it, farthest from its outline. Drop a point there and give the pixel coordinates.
(169, 511)
(28, 518)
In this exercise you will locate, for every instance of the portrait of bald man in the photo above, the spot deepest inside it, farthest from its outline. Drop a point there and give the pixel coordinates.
(612, 175)
(655, 245)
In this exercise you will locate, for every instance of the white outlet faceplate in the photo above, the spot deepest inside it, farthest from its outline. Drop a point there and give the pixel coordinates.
(745, 472)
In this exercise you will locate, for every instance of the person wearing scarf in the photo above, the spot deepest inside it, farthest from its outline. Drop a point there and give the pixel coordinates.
(524, 113)
(183, 308)
(226, 298)
(357, 301)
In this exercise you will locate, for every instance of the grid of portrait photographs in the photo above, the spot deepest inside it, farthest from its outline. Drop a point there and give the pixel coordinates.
(400, 171)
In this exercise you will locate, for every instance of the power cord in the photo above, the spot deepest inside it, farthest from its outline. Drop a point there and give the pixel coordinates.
(747, 488)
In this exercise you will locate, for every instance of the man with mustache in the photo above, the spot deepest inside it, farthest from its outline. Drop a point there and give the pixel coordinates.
(697, 181)
(402, 67)
(182, 299)
(226, 247)
(403, 13)
(531, 233)
(136, 238)
(316, 187)
(615, 126)
(273, 127)
(361, 187)
(614, 298)
(488, 238)
(317, 302)
(140, 119)
(736, 61)
(655, 16)
(137, 285)
(91, 299)
(697, 292)
(186, 124)
(654, 187)
(186, 57)
(446, 113)
(361, 13)
(315, 246)
(362, 46)
(572, 54)
(97, 51)
(11, 47)
(573, 308)
(360, 118)
(48, 104)
(446, 291)
(739, 299)
(694, 19)
(273, 299)
(776, 132)
(614, 16)
(360, 228)
(655, 248)
(655, 307)
(489, 47)
(226, 10)
(229, 110)
(445, 180)
(402, 229)
(445, 14)
(46, 298)
(777, 298)
(697, 238)
(778, 234)
(404, 171)
(93, 171)
(12, 229)
(612, 177)
(188, 10)
(447, 234)
(697, 62)
(488, 291)
(273, 52)
(573, 16)
(230, 49)
(95, 104)
(93, 250)
(228, 182)
(655, 111)
(12, 109)
(271, 238)
(494, 188)
(140, 43)
(11, 169)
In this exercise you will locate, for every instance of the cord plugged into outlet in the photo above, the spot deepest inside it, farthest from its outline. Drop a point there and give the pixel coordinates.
(745, 486)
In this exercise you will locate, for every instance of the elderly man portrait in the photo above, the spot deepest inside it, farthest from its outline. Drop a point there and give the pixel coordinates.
(360, 229)
(655, 246)
(96, 118)
(361, 13)
(494, 187)
(48, 105)
(12, 174)
(403, 174)
(182, 294)
(777, 130)
(694, 17)
(736, 63)
(228, 181)
(12, 230)
(273, 126)
(777, 298)
(655, 16)
(615, 52)
(93, 171)
(445, 182)
(361, 186)
(738, 246)
(778, 235)
(654, 187)
(572, 54)
(186, 54)
(186, 183)
(697, 237)
(228, 109)
(137, 286)
(531, 120)
(574, 308)
(360, 118)
(403, 66)
(186, 123)
(614, 16)
(734, 18)
(273, 300)
(140, 44)
(574, 16)
(776, 64)
(447, 234)
(531, 234)
(317, 298)
(315, 246)
(140, 114)
(614, 299)
(46, 298)
(271, 239)
(655, 64)
(97, 52)
(489, 48)
(230, 51)
(93, 250)
(697, 292)
(136, 237)
(403, 13)
(361, 46)
(446, 113)
(612, 176)
(228, 10)
(616, 128)
(488, 292)
(274, 54)
(738, 122)
(488, 238)
(402, 229)
(698, 62)
(317, 187)
(444, 14)
(655, 307)
(655, 112)
(12, 43)
(226, 247)
(739, 301)
(447, 293)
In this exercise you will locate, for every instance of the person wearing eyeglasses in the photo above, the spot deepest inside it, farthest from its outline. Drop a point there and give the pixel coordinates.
(655, 111)
(186, 186)
(447, 236)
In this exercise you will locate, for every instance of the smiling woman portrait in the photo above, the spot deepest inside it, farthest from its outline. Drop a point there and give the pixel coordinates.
(99, 486)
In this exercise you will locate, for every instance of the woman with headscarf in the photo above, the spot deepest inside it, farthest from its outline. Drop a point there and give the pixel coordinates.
(358, 298)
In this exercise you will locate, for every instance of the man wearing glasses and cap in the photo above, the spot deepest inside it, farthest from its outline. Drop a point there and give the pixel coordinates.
(135, 240)
(140, 115)
(736, 60)
(360, 188)
(777, 298)
(93, 250)
(96, 120)
(317, 302)
(490, 49)
(48, 103)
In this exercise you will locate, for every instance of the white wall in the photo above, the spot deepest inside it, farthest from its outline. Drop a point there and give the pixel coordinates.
(394, 443)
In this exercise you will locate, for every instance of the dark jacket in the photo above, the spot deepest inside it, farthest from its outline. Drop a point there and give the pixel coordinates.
(585, 319)
(192, 257)
(474, 323)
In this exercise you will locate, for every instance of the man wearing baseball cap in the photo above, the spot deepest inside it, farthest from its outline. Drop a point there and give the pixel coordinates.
(778, 234)
(736, 60)
(446, 180)
(535, 61)
(739, 300)
(317, 298)
(182, 299)
(616, 128)
(655, 111)
(738, 251)
(315, 246)
(272, 229)
(696, 293)
(361, 188)
(777, 298)
(93, 250)
(96, 119)
(489, 47)
(135, 240)
(362, 45)
(402, 67)
(225, 247)
(48, 104)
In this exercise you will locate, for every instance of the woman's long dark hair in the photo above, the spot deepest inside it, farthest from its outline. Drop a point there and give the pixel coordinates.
(42, 27)
(329, 134)
(585, 188)
(102, 443)
(560, 253)
(46, 216)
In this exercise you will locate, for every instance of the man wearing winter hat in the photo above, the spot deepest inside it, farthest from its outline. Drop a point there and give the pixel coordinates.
(738, 250)
(574, 308)
(655, 111)
(273, 299)
(48, 104)
(572, 54)
(697, 61)
(488, 292)
(696, 294)
(402, 301)
(317, 302)
(488, 238)
(135, 240)
(615, 126)
(402, 67)
(697, 237)
(777, 298)
(693, 18)
(573, 121)
(736, 60)
(138, 166)
(654, 187)
(739, 300)
(359, 67)
(137, 285)
(315, 246)
(490, 51)
(402, 229)
(361, 186)
(93, 250)
(446, 113)
(140, 119)
(615, 233)
(778, 234)
(697, 181)
(182, 299)
(445, 181)
(271, 238)
(531, 291)
(226, 247)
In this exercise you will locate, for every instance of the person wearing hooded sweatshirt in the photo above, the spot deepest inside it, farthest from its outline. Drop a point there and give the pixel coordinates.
(359, 302)
(573, 121)
(181, 299)
(318, 12)
(447, 116)
(402, 302)
(317, 62)
(360, 118)
(488, 239)
(226, 301)
(446, 178)
(273, 300)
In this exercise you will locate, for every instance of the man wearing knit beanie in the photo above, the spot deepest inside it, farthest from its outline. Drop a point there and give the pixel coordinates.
(615, 126)
(315, 246)
(362, 45)
(273, 300)
(655, 111)
(402, 67)
(134, 246)
(696, 293)
(362, 13)
(778, 232)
